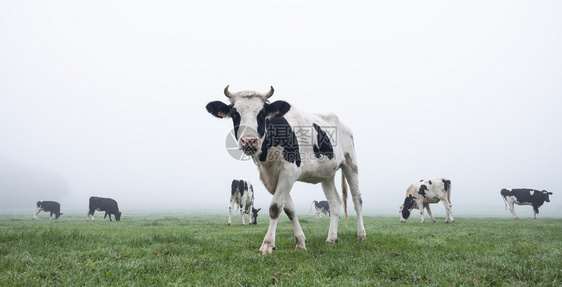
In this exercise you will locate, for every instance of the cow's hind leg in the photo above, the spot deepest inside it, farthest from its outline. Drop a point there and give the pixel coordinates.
(299, 234)
(350, 171)
(449, 211)
(512, 211)
(230, 208)
(334, 202)
(420, 207)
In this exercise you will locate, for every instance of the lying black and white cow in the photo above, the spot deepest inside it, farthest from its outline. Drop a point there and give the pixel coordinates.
(288, 146)
(420, 194)
(104, 204)
(321, 207)
(48, 206)
(242, 195)
(524, 196)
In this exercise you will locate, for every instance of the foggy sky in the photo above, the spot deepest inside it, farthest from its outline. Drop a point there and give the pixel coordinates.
(107, 98)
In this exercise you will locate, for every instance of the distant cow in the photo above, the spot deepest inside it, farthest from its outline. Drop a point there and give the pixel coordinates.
(104, 204)
(242, 195)
(48, 206)
(524, 196)
(420, 194)
(322, 207)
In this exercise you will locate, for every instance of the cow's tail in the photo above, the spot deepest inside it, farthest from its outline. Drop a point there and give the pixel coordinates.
(449, 193)
(311, 207)
(344, 195)
(503, 194)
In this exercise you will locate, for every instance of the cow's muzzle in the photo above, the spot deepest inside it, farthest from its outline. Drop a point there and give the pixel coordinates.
(249, 144)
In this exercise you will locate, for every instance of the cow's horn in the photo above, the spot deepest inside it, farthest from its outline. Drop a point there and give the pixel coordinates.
(270, 93)
(226, 92)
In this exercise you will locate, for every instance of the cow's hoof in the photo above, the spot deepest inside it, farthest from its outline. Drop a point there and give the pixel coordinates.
(334, 240)
(362, 238)
(228, 224)
(300, 247)
(267, 248)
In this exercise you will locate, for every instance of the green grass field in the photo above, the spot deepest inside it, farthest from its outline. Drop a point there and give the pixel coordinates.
(200, 250)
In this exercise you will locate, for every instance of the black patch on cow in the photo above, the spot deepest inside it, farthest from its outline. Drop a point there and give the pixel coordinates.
(277, 108)
(240, 185)
(324, 146)
(289, 213)
(279, 133)
(235, 119)
(423, 189)
(217, 108)
(274, 211)
(408, 206)
(233, 187)
(429, 182)
(447, 184)
(261, 122)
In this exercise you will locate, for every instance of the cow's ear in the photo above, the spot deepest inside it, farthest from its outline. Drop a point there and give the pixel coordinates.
(218, 109)
(277, 108)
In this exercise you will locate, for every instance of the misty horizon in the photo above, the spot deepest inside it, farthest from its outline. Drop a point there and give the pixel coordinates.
(108, 99)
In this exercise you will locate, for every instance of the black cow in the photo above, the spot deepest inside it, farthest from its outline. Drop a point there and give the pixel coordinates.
(322, 207)
(48, 206)
(524, 196)
(104, 204)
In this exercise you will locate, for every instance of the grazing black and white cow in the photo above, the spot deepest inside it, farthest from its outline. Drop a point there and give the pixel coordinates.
(104, 204)
(420, 194)
(321, 207)
(242, 195)
(289, 145)
(524, 196)
(48, 206)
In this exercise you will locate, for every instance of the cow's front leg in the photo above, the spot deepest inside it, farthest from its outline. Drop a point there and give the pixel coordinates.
(275, 208)
(420, 207)
(512, 211)
(334, 202)
(449, 210)
(429, 212)
(299, 234)
(536, 212)
(268, 243)
(230, 208)
(36, 212)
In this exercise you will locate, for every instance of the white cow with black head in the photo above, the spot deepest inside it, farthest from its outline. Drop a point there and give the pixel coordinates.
(242, 195)
(420, 194)
(289, 145)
